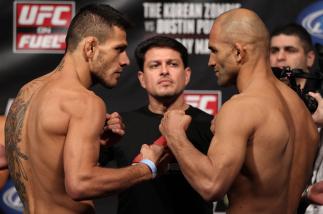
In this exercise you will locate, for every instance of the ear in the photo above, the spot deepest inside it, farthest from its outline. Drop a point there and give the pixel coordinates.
(310, 57)
(188, 72)
(239, 53)
(141, 79)
(90, 47)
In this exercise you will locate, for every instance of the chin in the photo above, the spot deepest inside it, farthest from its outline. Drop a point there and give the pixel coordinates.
(110, 84)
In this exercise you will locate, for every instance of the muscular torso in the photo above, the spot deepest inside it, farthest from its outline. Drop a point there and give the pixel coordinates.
(35, 135)
(279, 154)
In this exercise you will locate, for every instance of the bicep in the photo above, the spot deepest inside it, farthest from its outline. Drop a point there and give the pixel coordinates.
(229, 144)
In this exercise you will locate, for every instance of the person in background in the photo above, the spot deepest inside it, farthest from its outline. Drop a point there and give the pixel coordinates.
(163, 73)
(291, 46)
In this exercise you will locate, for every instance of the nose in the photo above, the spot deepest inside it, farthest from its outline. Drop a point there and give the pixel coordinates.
(281, 55)
(211, 62)
(164, 69)
(124, 59)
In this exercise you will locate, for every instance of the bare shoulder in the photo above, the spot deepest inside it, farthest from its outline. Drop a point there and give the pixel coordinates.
(84, 102)
(242, 104)
(29, 88)
(240, 109)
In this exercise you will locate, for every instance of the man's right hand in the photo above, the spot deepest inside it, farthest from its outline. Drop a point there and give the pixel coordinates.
(161, 141)
(152, 152)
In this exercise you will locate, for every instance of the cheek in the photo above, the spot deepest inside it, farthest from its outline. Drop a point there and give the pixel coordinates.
(272, 59)
(181, 79)
(297, 61)
(149, 82)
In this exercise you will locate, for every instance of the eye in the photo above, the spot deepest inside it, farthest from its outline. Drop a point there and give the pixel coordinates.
(153, 65)
(173, 64)
(213, 50)
(291, 50)
(274, 50)
(121, 48)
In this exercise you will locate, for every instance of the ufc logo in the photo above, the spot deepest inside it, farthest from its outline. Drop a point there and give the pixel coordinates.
(208, 101)
(44, 14)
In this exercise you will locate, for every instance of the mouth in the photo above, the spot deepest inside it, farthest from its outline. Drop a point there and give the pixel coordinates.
(118, 72)
(281, 65)
(165, 82)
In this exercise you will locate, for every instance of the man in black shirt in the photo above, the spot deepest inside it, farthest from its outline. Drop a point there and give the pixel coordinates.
(164, 73)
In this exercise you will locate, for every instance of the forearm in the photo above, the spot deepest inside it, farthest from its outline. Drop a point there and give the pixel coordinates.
(99, 181)
(197, 168)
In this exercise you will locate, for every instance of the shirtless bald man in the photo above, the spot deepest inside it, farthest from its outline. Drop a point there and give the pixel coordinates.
(265, 139)
(55, 125)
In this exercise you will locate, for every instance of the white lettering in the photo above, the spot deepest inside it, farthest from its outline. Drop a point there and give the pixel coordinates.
(58, 13)
(205, 101)
(39, 14)
(213, 10)
(176, 26)
(152, 10)
(150, 26)
(44, 30)
(45, 12)
(203, 26)
(202, 46)
(192, 100)
(188, 43)
(41, 41)
(182, 10)
(26, 16)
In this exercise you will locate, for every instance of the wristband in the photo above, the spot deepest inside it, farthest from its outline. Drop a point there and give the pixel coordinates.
(151, 166)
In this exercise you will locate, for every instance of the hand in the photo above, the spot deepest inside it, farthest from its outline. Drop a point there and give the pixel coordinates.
(315, 193)
(161, 141)
(152, 152)
(318, 114)
(174, 123)
(113, 129)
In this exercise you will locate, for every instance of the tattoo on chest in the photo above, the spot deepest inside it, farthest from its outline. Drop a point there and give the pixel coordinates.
(15, 156)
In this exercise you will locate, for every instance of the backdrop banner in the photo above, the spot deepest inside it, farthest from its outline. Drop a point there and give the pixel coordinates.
(33, 33)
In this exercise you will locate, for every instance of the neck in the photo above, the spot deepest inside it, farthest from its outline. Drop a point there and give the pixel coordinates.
(251, 71)
(77, 67)
(160, 107)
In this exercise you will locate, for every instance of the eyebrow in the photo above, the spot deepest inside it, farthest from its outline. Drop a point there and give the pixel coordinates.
(121, 46)
(212, 49)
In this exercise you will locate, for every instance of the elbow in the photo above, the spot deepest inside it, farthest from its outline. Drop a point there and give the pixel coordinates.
(212, 191)
(76, 189)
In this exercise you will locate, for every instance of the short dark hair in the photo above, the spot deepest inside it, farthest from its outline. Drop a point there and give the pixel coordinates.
(293, 29)
(93, 20)
(160, 42)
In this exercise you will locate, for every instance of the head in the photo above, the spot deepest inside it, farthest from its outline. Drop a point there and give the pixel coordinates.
(163, 67)
(237, 38)
(291, 45)
(98, 34)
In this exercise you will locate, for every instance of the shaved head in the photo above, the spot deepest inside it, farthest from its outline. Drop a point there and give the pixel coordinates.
(243, 26)
(238, 40)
